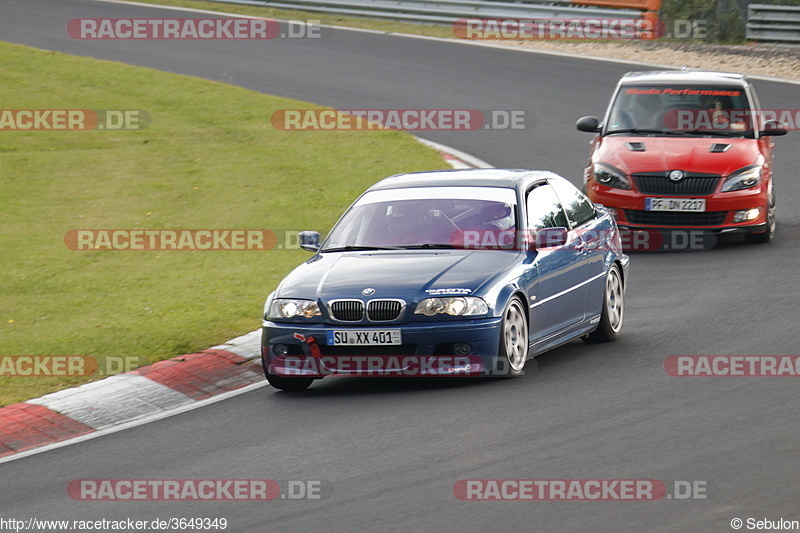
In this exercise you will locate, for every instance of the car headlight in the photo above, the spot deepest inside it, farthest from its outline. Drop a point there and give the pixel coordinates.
(457, 306)
(744, 178)
(610, 176)
(290, 308)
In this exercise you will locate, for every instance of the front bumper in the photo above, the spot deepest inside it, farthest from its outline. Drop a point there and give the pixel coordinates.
(427, 349)
(648, 230)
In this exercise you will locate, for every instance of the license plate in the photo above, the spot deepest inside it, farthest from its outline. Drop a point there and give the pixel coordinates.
(363, 337)
(675, 204)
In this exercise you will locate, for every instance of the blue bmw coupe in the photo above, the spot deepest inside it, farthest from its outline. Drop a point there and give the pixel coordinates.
(445, 273)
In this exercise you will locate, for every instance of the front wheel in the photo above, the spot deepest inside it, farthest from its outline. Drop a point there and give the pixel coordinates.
(286, 383)
(613, 307)
(513, 339)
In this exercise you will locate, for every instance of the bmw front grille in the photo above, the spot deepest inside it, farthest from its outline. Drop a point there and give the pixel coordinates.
(384, 310)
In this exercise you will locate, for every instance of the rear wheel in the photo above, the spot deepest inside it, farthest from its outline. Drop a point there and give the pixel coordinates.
(613, 308)
(513, 339)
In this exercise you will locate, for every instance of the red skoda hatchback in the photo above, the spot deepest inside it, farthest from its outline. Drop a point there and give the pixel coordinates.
(682, 150)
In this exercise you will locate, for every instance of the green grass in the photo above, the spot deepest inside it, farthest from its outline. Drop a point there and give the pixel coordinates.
(209, 159)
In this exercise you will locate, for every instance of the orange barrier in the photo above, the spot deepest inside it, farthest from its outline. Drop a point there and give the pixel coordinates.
(656, 25)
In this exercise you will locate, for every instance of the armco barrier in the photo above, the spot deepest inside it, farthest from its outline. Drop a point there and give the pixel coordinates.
(449, 11)
(642, 5)
(773, 23)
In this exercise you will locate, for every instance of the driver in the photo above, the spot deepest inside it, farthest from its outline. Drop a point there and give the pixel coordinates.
(406, 222)
(497, 216)
(646, 112)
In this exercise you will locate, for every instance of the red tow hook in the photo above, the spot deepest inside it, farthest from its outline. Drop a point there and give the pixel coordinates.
(312, 344)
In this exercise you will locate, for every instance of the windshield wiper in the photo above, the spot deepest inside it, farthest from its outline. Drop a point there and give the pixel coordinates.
(351, 248)
(643, 130)
(717, 133)
(437, 246)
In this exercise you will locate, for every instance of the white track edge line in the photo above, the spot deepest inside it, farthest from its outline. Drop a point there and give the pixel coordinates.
(134, 423)
(455, 152)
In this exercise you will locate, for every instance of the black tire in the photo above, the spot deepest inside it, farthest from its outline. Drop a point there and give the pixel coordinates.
(513, 351)
(613, 308)
(285, 382)
(288, 383)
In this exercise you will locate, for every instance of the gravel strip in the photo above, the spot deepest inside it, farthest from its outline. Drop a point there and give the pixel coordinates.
(763, 60)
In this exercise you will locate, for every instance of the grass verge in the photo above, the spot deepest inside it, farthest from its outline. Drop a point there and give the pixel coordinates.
(209, 159)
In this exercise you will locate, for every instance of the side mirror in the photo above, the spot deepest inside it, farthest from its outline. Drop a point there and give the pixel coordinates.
(589, 124)
(551, 238)
(774, 128)
(309, 240)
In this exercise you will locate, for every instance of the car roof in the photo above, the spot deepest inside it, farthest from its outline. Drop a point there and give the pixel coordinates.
(475, 177)
(684, 76)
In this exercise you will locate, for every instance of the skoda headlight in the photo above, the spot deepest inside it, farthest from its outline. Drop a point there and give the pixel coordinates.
(744, 178)
(610, 176)
(456, 306)
(290, 308)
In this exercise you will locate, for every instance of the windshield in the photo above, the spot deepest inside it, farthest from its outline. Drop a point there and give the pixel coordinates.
(681, 110)
(423, 217)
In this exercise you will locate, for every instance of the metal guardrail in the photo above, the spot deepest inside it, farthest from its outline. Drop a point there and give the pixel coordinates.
(642, 5)
(445, 11)
(773, 23)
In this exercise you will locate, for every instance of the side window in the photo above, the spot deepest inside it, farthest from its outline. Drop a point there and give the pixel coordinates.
(544, 209)
(578, 207)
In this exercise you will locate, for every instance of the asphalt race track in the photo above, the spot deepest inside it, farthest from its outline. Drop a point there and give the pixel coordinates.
(390, 451)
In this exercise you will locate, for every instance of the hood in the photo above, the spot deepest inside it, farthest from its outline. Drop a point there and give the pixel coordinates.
(690, 154)
(410, 275)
